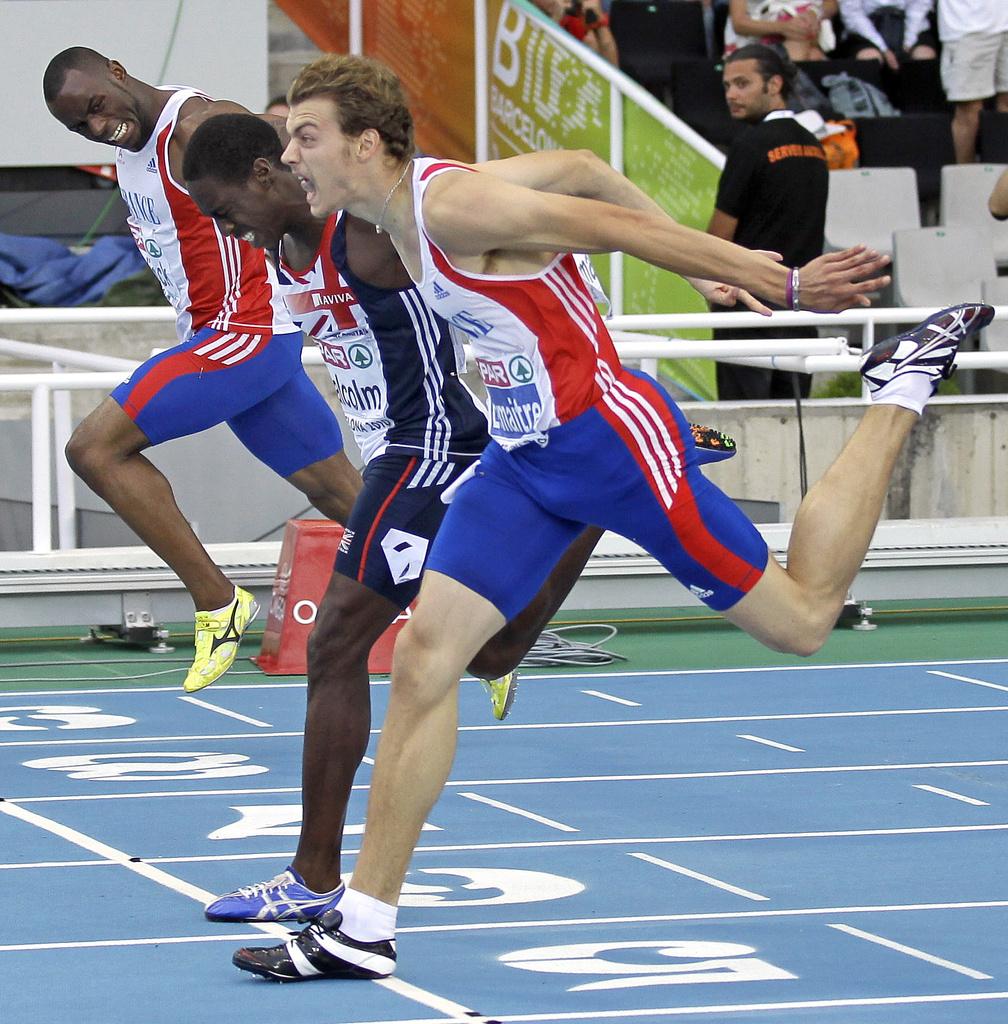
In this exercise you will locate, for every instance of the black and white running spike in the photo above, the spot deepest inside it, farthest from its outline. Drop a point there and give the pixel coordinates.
(319, 951)
(929, 348)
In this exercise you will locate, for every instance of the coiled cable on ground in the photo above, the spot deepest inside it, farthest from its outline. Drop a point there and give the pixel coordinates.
(553, 648)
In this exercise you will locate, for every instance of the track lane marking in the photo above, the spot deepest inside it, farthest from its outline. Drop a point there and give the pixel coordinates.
(520, 811)
(917, 954)
(651, 673)
(202, 896)
(21, 947)
(770, 743)
(708, 879)
(968, 679)
(740, 915)
(739, 773)
(525, 726)
(954, 796)
(224, 711)
(563, 843)
(610, 697)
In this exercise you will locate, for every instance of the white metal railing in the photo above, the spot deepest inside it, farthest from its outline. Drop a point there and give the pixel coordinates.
(50, 411)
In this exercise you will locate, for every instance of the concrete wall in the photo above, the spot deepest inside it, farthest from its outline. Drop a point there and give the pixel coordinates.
(954, 465)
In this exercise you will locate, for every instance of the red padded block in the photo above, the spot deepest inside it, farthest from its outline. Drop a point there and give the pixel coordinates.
(307, 556)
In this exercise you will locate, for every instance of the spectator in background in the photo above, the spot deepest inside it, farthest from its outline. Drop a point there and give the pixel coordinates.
(998, 202)
(889, 31)
(974, 64)
(802, 27)
(772, 195)
(586, 21)
(277, 106)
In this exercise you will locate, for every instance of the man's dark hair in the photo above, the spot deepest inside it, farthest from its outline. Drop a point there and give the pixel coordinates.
(76, 58)
(770, 63)
(226, 146)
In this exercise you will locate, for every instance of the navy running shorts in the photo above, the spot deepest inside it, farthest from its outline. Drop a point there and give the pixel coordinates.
(393, 522)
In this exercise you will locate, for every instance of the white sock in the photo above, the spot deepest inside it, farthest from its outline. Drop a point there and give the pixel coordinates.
(909, 390)
(365, 918)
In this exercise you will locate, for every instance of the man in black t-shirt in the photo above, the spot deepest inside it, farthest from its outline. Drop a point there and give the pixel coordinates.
(772, 195)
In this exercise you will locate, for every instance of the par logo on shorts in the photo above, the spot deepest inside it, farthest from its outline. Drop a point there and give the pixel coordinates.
(405, 554)
(492, 373)
(360, 356)
(335, 355)
(521, 369)
(701, 592)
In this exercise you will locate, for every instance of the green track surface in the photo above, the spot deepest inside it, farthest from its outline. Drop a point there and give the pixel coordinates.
(650, 639)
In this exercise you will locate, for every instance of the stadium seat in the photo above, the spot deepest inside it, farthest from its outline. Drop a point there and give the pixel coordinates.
(868, 205)
(993, 141)
(651, 34)
(940, 266)
(964, 192)
(698, 98)
(920, 141)
(995, 337)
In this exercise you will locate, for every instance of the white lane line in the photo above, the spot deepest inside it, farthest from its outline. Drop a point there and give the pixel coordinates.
(557, 844)
(547, 780)
(224, 711)
(954, 796)
(609, 696)
(917, 954)
(968, 679)
(686, 1011)
(202, 896)
(716, 882)
(524, 726)
(552, 923)
(511, 809)
(113, 943)
(770, 743)
(189, 738)
(650, 674)
(715, 719)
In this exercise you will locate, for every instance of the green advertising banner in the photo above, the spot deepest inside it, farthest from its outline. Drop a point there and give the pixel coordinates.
(542, 95)
(684, 183)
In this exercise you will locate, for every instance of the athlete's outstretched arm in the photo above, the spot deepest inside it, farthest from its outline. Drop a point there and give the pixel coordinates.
(579, 172)
(472, 215)
(571, 172)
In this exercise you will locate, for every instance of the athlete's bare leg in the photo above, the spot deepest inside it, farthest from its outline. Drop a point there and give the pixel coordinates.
(351, 617)
(331, 485)
(417, 744)
(338, 720)
(504, 651)
(790, 610)
(795, 609)
(105, 452)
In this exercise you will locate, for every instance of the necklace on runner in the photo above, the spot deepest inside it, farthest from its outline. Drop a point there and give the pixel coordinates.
(388, 198)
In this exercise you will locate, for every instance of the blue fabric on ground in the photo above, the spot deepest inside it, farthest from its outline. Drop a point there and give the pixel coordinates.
(46, 273)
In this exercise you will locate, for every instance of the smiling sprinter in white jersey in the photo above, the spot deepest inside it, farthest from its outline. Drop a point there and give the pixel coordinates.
(238, 359)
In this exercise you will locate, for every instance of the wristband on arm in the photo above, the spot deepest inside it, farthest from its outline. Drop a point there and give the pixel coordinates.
(792, 297)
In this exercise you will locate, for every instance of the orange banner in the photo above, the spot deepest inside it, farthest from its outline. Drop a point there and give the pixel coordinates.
(429, 45)
(325, 22)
